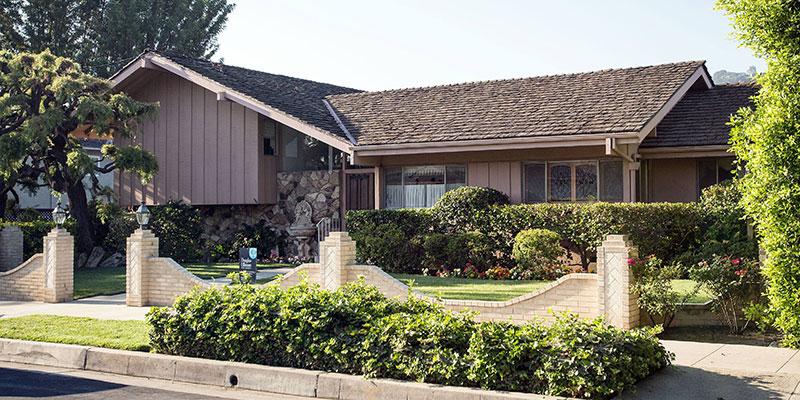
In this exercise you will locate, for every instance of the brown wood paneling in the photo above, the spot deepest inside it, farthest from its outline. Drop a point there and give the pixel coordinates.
(211, 150)
(478, 174)
(237, 153)
(173, 138)
(360, 191)
(251, 154)
(185, 141)
(198, 193)
(161, 142)
(223, 157)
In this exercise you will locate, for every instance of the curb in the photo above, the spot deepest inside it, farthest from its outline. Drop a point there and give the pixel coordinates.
(280, 380)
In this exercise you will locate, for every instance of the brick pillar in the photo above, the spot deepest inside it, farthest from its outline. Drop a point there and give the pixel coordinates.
(140, 247)
(10, 247)
(616, 301)
(336, 252)
(58, 252)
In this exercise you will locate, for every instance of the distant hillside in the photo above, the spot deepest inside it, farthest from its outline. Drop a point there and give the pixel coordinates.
(727, 77)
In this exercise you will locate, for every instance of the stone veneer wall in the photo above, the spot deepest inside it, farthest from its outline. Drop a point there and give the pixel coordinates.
(321, 189)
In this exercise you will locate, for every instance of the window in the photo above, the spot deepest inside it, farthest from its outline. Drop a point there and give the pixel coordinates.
(303, 153)
(419, 187)
(711, 171)
(573, 181)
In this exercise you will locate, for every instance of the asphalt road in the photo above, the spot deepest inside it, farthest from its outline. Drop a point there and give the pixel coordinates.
(18, 381)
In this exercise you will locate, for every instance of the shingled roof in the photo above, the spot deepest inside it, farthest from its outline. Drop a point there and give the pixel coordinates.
(300, 98)
(701, 117)
(608, 101)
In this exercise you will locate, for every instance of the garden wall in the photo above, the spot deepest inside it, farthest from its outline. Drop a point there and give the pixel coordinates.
(46, 276)
(25, 282)
(588, 295)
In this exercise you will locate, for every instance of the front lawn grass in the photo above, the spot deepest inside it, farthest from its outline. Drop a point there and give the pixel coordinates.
(491, 290)
(98, 282)
(220, 270)
(470, 289)
(108, 281)
(124, 335)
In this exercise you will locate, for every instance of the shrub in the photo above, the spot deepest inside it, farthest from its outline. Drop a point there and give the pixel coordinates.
(653, 288)
(355, 329)
(259, 235)
(179, 228)
(733, 282)
(388, 247)
(456, 208)
(537, 253)
(33, 233)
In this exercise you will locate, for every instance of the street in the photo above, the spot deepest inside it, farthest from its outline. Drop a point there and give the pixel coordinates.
(21, 381)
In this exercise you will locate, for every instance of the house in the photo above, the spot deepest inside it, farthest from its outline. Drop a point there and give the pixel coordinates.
(247, 145)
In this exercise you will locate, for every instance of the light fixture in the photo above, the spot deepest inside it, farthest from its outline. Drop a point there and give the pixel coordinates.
(59, 215)
(142, 215)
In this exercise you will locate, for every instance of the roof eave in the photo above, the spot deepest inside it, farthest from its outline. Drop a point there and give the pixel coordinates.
(153, 60)
(595, 139)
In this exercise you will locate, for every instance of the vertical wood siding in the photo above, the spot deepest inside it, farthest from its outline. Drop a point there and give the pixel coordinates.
(505, 176)
(208, 151)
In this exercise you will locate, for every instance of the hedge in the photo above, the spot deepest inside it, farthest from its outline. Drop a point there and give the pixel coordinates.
(665, 230)
(33, 233)
(357, 330)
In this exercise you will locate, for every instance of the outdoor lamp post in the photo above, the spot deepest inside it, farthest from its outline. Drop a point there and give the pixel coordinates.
(59, 215)
(142, 216)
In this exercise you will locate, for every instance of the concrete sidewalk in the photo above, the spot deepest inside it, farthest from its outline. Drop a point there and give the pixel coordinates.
(100, 307)
(724, 371)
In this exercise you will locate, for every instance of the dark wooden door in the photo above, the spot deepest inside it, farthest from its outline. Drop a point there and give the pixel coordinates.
(360, 191)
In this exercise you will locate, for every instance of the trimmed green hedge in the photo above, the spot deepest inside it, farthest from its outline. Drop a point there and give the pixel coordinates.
(33, 232)
(357, 330)
(666, 230)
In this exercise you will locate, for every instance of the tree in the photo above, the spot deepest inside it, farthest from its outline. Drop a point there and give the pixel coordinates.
(766, 139)
(103, 35)
(44, 101)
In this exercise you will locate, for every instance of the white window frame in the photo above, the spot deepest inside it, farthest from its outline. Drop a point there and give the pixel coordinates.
(403, 177)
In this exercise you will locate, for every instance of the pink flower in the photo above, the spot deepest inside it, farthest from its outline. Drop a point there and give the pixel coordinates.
(736, 261)
(631, 262)
(740, 272)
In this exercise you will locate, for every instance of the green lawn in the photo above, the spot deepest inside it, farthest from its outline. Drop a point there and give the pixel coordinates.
(470, 289)
(685, 287)
(98, 281)
(125, 335)
(106, 281)
(491, 290)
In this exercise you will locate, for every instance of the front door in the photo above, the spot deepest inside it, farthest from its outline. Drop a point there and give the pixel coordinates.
(360, 191)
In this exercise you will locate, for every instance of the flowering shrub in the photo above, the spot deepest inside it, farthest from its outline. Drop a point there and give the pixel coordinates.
(498, 273)
(652, 285)
(734, 282)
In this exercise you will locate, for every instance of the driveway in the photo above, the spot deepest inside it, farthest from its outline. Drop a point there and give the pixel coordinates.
(724, 372)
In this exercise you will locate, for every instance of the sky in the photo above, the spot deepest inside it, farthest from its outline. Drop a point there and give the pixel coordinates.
(387, 44)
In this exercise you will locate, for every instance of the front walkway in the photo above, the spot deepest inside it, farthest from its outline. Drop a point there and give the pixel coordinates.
(100, 307)
(724, 371)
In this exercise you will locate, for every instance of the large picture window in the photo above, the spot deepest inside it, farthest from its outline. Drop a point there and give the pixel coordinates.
(421, 186)
(573, 181)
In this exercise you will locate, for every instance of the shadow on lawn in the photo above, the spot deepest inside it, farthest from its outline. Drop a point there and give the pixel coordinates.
(681, 382)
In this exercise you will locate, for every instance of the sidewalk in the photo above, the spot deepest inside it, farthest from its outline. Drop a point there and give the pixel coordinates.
(100, 307)
(724, 371)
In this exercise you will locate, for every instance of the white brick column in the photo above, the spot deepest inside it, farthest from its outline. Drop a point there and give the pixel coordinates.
(616, 301)
(141, 247)
(58, 252)
(336, 252)
(11, 239)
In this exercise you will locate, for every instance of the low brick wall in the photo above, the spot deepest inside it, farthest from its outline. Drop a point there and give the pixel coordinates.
(11, 247)
(25, 282)
(575, 292)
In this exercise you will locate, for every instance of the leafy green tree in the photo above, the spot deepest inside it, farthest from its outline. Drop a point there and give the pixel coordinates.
(103, 35)
(766, 139)
(44, 101)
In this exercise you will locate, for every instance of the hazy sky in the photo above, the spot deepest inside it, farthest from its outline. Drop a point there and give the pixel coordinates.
(381, 44)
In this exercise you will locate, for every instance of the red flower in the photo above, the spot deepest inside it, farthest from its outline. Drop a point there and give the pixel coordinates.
(736, 261)
(631, 262)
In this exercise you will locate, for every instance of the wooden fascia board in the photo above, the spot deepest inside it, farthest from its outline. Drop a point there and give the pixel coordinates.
(490, 145)
(226, 93)
(699, 73)
(649, 153)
